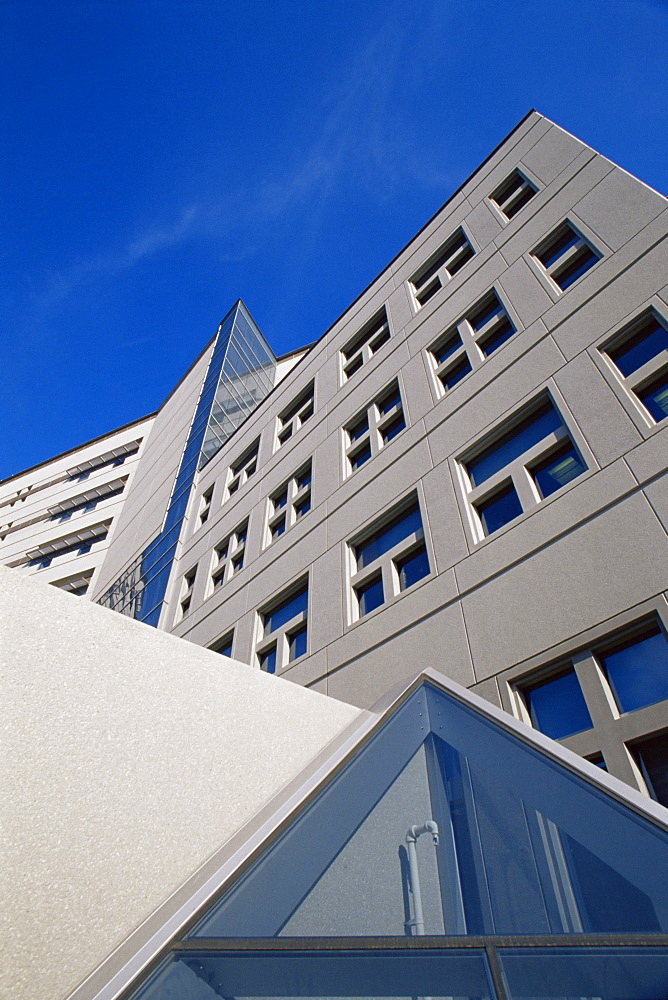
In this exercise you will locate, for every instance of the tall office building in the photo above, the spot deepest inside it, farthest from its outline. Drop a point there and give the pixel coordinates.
(465, 474)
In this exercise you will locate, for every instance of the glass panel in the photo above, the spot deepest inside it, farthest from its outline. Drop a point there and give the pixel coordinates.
(382, 540)
(502, 332)
(558, 469)
(280, 501)
(359, 428)
(278, 529)
(370, 595)
(205, 975)
(395, 427)
(388, 402)
(297, 643)
(524, 435)
(525, 845)
(268, 660)
(445, 350)
(304, 478)
(638, 671)
(360, 457)
(652, 758)
(557, 706)
(455, 374)
(584, 973)
(646, 343)
(286, 611)
(655, 397)
(499, 509)
(583, 260)
(558, 247)
(303, 507)
(413, 568)
(487, 311)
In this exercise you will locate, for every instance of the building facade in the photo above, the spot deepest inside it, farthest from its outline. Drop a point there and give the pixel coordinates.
(466, 472)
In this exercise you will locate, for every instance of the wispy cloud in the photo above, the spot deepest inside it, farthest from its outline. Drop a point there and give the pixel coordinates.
(357, 136)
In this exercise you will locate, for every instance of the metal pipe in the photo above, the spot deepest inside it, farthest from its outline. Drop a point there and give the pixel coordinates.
(417, 923)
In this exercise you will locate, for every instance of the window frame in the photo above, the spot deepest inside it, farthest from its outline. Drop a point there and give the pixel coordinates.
(238, 473)
(384, 566)
(222, 643)
(205, 505)
(296, 496)
(226, 555)
(294, 416)
(365, 344)
(510, 202)
(187, 589)
(441, 266)
(614, 733)
(626, 386)
(471, 340)
(379, 423)
(517, 472)
(546, 273)
(279, 639)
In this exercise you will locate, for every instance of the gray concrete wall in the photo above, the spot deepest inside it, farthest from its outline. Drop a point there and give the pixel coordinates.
(584, 556)
(129, 757)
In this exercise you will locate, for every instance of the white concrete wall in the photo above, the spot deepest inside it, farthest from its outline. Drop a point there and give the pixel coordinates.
(130, 756)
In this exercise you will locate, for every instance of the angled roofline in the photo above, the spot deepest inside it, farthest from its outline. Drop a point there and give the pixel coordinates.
(154, 937)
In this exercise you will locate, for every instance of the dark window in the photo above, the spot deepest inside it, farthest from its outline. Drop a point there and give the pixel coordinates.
(413, 567)
(500, 508)
(515, 192)
(637, 670)
(450, 259)
(557, 706)
(566, 256)
(651, 755)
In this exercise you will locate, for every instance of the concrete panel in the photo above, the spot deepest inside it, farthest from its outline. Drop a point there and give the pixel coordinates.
(617, 559)
(326, 608)
(489, 690)
(552, 154)
(608, 429)
(657, 494)
(525, 292)
(112, 808)
(439, 642)
(619, 207)
(465, 424)
(649, 458)
(483, 225)
(542, 525)
(443, 518)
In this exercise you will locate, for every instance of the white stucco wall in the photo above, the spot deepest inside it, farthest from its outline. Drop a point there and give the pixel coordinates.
(130, 757)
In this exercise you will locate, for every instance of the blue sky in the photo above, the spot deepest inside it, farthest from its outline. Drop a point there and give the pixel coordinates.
(163, 157)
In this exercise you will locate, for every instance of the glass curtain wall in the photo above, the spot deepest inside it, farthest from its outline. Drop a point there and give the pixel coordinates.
(241, 373)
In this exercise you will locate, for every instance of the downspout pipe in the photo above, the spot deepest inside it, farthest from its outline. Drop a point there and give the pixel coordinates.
(431, 827)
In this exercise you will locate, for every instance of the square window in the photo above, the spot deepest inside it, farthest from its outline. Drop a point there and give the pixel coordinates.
(651, 756)
(375, 427)
(290, 503)
(637, 670)
(297, 643)
(370, 595)
(557, 706)
(241, 470)
(638, 357)
(412, 568)
(361, 348)
(391, 554)
(443, 265)
(566, 256)
(515, 192)
(296, 415)
(500, 508)
(518, 466)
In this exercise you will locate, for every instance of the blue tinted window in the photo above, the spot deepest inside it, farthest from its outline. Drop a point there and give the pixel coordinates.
(497, 510)
(383, 540)
(286, 611)
(557, 706)
(370, 595)
(395, 427)
(225, 649)
(648, 342)
(456, 373)
(655, 397)
(361, 427)
(558, 248)
(501, 333)
(360, 457)
(278, 529)
(445, 350)
(304, 479)
(297, 643)
(303, 507)
(491, 308)
(560, 468)
(268, 660)
(652, 758)
(638, 671)
(413, 568)
(390, 401)
(513, 443)
(584, 259)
